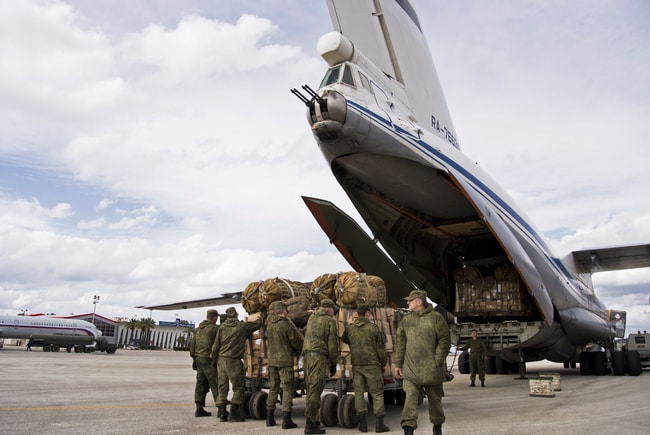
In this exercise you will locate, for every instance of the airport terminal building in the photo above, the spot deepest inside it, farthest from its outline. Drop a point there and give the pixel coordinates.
(164, 335)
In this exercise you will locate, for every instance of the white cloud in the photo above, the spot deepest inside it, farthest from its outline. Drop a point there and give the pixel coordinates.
(30, 214)
(91, 224)
(104, 203)
(182, 125)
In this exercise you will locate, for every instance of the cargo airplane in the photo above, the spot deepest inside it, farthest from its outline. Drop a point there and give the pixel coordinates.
(438, 221)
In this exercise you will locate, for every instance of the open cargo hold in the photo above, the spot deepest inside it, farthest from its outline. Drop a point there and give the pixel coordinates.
(501, 293)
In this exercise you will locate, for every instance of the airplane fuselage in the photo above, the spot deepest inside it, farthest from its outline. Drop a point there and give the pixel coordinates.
(25, 326)
(435, 212)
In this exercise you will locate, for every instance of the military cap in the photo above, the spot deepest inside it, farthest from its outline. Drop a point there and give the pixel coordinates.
(231, 312)
(277, 305)
(417, 294)
(212, 313)
(363, 307)
(328, 303)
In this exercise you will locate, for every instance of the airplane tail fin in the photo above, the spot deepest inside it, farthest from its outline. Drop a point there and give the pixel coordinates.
(389, 33)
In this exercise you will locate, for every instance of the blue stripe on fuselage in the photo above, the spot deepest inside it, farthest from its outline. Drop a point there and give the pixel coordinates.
(481, 187)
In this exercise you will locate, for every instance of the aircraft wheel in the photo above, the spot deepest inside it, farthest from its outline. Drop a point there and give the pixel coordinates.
(346, 414)
(56, 348)
(501, 366)
(78, 349)
(47, 348)
(586, 363)
(257, 406)
(400, 397)
(599, 364)
(572, 364)
(328, 409)
(634, 367)
(566, 364)
(489, 366)
(246, 405)
(463, 363)
(618, 363)
(111, 350)
(389, 397)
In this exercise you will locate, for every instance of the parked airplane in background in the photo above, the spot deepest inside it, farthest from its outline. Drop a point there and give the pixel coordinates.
(381, 121)
(25, 326)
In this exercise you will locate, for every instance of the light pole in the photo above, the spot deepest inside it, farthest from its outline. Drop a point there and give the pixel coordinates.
(95, 302)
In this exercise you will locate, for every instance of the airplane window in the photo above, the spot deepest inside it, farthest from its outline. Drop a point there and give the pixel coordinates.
(364, 81)
(639, 339)
(331, 76)
(347, 77)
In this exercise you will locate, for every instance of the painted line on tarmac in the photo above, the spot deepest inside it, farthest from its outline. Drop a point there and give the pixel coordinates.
(85, 407)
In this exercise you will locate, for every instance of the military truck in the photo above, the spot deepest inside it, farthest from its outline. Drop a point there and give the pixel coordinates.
(78, 343)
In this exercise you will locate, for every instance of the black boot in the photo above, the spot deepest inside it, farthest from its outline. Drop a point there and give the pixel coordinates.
(235, 413)
(482, 383)
(408, 430)
(437, 429)
(472, 384)
(363, 424)
(379, 424)
(287, 422)
(222, 413)
(312, 428)
(270, 417)
(200, 412)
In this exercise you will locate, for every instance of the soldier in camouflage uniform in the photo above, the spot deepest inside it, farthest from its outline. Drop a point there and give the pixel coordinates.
(423, 343)
(206, 374)
(228, 351)
(477, 349)
(320, 350)
(284, 342)
(368, 348)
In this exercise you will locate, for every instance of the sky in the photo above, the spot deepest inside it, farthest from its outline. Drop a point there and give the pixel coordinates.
(151, 152)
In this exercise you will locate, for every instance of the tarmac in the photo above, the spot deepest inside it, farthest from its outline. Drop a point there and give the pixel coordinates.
(147, 392)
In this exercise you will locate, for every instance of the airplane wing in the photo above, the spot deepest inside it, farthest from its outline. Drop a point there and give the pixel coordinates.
(225, 299)
(357, 248)
(609, 259)
(388, 32)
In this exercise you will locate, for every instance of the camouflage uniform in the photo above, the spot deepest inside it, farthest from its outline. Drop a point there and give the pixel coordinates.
(368, 348)
(206, 374)
(284, 341)
(320, 351)
(477, 349)
(423, 343)
(229, 347)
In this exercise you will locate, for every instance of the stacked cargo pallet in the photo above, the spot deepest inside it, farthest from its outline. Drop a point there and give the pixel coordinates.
(347, 289)
(502, 293)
